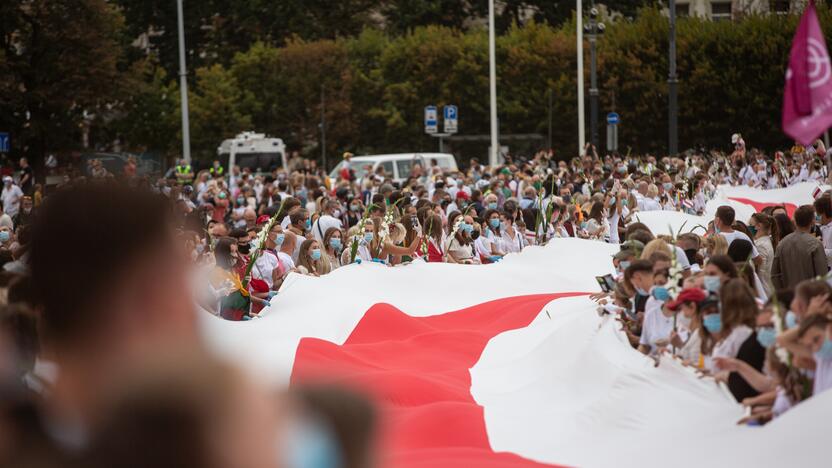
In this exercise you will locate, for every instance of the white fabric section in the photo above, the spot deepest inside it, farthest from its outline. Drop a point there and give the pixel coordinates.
(571, 390)
(330, 306)
(662, 222)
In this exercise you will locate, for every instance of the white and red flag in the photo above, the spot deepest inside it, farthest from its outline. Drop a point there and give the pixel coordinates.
(507, 365)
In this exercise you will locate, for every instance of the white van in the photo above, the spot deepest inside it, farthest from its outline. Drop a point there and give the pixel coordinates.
(396, 166)
(254, 151)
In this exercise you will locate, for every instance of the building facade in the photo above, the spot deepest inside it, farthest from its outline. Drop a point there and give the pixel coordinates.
(719, 10)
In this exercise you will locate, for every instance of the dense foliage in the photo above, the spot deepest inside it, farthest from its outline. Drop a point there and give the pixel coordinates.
(253, 68)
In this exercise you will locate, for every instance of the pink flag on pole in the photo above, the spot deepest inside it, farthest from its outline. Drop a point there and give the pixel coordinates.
(807, 99)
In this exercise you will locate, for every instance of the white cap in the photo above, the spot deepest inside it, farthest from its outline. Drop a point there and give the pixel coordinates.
(735, 138)
(8, 179)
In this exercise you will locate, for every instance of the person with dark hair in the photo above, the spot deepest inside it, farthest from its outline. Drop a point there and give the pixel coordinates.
(724, 226)
(812, 341)
(124, 290)
(734, 330)
(785, 226)
(823, 207)
(718, 270)
(800, 255)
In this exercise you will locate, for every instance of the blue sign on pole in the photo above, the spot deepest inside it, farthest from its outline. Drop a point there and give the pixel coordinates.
(451, 115)
(5, 143)
(613, 118)
(431, 119)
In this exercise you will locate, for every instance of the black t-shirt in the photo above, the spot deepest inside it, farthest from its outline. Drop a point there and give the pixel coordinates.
(752, 353)
(640, 302)
(30, 181)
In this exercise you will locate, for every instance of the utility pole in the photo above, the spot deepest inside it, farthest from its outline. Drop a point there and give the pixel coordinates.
(183, 87)
(593, 30)
(579, 16)
(493, 157)
(323, 129)
(673, 84)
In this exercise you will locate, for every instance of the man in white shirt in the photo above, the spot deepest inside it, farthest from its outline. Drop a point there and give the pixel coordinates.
(11, 196)
(723, 222)
(328, 220)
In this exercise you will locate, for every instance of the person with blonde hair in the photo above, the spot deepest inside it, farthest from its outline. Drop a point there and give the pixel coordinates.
(654, 246)
(651, 201)
(383, 249)
(716, 245)
(312, 258)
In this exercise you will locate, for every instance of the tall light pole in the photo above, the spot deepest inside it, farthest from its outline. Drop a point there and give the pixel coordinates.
(593, 30)
(493, 157)
(579, 16)
(183, 87)
(673, 84)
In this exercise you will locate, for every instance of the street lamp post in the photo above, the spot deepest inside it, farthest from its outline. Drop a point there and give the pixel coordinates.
(493, 157)
(673, 84)
(183, 86)
(593, 29)
(579, 32)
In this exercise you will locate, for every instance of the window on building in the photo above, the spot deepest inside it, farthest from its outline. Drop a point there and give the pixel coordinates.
(682, 9)
(720, 11)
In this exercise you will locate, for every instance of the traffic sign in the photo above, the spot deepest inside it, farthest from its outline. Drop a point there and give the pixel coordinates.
(431, 119)
(451, 115)
(5, 143)
(613, 118)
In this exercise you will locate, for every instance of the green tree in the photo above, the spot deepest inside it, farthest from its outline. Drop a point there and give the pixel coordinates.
(404, 15)
(215, 110)
(59, 64)
(148, 120)
(284, 88)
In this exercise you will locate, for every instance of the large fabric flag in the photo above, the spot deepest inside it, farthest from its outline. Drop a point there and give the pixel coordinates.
(807, 98)
(509, 365)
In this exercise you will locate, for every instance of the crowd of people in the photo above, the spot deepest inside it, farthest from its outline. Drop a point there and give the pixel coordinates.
(101, 363)
(746, 302)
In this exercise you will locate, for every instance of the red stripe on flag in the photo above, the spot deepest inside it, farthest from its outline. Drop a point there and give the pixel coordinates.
(416, 369)
(759, 206)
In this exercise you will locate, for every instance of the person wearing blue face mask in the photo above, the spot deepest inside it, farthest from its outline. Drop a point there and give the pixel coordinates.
(734, 336)
(311, 258)
(333, 246)
(461, 245)
(513, 238)
(5, 238)
(491, 238)
(814, 340)
(491, 202)
(658, 318)
(809, 297)
(719, 269)
(268, 268)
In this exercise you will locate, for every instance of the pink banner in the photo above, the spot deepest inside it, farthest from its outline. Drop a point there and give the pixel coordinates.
(807, 98)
